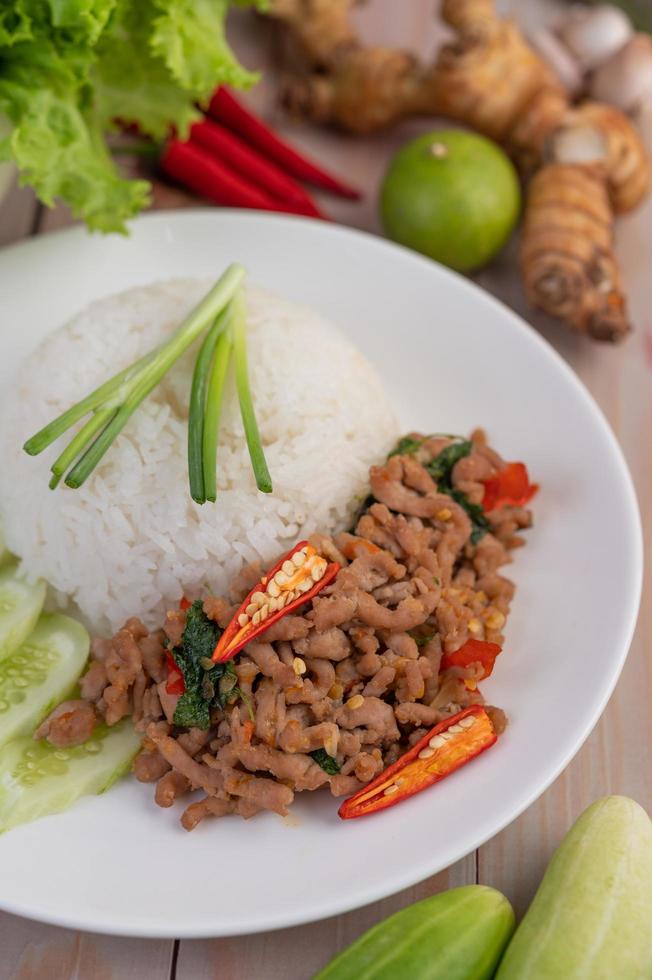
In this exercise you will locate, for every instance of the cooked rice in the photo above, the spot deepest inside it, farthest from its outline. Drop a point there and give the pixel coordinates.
(131, 541)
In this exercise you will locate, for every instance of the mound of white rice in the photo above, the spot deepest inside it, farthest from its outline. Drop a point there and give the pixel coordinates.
(131, 541)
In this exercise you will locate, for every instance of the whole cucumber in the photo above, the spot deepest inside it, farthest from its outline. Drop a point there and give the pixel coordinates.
(456, 935)
(592, 915)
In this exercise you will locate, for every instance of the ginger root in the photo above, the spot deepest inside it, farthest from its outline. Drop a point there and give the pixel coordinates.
(567, 257)
(584, 163)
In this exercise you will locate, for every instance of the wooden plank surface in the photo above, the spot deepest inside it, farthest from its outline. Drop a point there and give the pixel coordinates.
(618, 755)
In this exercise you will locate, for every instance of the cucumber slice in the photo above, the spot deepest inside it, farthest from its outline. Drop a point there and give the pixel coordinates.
(37, 779)
(20, 607)
(40, 674)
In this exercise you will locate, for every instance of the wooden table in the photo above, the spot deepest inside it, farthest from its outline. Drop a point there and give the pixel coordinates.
(617, 758)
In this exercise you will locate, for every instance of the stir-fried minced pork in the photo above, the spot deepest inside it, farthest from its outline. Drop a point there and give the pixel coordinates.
(355, 673)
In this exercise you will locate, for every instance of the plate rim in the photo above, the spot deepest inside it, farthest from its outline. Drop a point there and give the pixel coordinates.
(392, 884)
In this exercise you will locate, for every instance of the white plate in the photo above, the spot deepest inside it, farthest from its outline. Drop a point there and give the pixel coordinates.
(452, 358)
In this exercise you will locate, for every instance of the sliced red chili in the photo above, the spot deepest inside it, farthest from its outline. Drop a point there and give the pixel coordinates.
(473, 652)
(175, 682)
(445, 748)
(184, 603)
(510, 487)
(294, 580)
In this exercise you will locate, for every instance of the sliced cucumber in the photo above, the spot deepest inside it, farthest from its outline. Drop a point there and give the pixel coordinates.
(40, 674)
(36, 779)
(20, 607)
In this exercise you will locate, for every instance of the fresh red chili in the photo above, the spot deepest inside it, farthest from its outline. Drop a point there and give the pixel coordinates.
(175, 682)
(473, 652)
(184, 603)
(510, 487)
(294, 580)
(195, 168)
(448, 746)
(249, 163)
(226, 109)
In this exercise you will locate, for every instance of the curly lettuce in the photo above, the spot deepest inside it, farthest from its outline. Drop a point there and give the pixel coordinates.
(70, 69)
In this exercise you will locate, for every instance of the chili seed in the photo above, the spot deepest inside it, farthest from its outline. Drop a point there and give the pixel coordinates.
(264, 613)
(391, 789)
(243, 619)
(304, 585)
(273, 590)
(251, 609)
(444, 514)
(436, 742)
(298, 558)
(317, 572)
(467, 722)
(259, 598)
(426, 753)
(288, 567)
(455, 729)
(355, 702)
(299, 666)
(336, 691)
(255, 619)
(282, 578)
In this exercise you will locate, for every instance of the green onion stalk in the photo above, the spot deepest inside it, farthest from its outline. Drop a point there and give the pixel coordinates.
(222, 315)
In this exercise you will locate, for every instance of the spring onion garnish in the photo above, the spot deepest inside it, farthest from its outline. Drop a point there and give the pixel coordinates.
(214, 398)
(111, 405)
(256, 454)
(200, 379)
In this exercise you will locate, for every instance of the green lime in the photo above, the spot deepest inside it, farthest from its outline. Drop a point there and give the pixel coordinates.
(452, 195)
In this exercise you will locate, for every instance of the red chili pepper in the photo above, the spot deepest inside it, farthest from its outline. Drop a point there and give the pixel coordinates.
(226, 109)
(175, 682)
(196, 169)
(445, 748)
(233, 152)
(184, 603)
(473, 652)
(510, 487)
(288, 585)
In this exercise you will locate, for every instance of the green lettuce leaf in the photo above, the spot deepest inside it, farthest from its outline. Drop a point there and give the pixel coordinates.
(69, 69)
(189, 37)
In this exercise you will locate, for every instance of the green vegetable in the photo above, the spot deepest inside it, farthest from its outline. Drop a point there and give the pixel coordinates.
(20, 607)
(263, 479)
(200, 383)
(406, 446)
(441, 467)
(69, 69)
(456, 935)
(441, 470)
(326, 761)
(214, 397)
(37, 779)
(40, 674)
(591, 917)
(116, 400)
(198, 642)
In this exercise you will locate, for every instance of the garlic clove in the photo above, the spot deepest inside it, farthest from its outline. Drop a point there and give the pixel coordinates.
(625, 80)
(560, 58)
(594, 34)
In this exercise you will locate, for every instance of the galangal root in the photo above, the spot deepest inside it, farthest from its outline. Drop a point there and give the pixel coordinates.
(583, 164)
